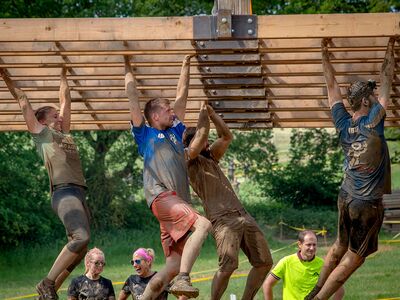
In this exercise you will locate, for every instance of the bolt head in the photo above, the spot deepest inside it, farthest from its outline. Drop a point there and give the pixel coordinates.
(224, 20)
(249, 20)
(250, 31)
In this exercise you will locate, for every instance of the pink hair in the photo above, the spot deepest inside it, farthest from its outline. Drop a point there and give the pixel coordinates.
(147, 254)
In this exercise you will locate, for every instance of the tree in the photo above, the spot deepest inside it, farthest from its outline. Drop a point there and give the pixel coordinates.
(312, 175)
(253, 153)
(323, 6)
(25, 211)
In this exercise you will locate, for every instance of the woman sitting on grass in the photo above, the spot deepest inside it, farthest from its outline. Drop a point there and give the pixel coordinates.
(91, 285)
(142, 260)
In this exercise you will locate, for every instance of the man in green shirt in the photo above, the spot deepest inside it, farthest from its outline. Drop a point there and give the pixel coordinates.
(299, 271)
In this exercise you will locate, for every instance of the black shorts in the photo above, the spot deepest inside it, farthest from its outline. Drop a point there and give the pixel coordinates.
(359, 223)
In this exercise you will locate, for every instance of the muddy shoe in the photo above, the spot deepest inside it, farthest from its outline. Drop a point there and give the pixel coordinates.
(46, 290)
(182, 286)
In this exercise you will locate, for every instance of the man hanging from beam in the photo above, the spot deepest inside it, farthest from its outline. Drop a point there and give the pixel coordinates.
(233, 228)
(367, 172)
(50, 132)
(166, 184)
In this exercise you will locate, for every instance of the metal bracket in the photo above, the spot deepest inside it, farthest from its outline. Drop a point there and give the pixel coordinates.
(216, 27)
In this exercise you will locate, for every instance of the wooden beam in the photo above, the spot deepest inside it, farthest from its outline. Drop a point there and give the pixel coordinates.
(329, 25)
(96, 29)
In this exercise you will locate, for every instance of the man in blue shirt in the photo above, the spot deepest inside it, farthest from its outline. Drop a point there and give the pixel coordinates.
(166, 184)
(367, 172)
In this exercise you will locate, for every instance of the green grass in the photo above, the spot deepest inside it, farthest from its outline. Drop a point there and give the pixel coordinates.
(23, 267)
(396, 176)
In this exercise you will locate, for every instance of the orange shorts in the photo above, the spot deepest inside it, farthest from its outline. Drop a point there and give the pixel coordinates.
(176, 217)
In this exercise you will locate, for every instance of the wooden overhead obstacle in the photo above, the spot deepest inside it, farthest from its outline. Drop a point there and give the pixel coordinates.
(257, 71)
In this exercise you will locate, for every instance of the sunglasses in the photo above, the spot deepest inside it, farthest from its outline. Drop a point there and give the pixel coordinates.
(136, 261)
(99, 263)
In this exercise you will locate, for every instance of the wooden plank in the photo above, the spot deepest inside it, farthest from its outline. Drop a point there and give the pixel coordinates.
(328, 25)
(180, 28)
(96, 29)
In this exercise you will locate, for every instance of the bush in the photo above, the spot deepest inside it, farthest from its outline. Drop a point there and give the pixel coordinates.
(312, 175)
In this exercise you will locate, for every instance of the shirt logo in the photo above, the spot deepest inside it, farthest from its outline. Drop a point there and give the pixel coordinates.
(355, 152)
(161, 135)
(173, 138)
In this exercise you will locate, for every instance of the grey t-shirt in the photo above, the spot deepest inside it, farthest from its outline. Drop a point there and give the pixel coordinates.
(60, 156)
(164, 160)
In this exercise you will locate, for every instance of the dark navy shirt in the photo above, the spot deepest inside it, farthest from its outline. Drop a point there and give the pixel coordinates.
(367, 161)
(135, 286)
(83, 288)
(164, 160)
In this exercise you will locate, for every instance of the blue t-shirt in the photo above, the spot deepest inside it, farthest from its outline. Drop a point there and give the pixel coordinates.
(164, 160)
(367, 161)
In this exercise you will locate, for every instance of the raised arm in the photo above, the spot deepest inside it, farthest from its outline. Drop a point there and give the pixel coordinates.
(29, 114)
(132, 93)
(201, 136)
(334, 94)
(65, 102)
(219, 147)
(268, 285)
(182, 89)
(386, 75)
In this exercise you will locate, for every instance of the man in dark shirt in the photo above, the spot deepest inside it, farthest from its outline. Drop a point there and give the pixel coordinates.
(367, 172)
(232, 227)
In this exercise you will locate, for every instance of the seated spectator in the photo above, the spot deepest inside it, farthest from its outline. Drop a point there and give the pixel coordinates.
(91, 285)
(142, 260)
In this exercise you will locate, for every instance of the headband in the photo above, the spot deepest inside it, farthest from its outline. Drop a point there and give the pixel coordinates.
(143, 253)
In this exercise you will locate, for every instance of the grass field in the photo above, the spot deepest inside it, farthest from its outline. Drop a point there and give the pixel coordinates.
(22, 268)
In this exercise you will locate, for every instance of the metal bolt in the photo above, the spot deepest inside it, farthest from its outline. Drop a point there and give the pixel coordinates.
(216, 103)
(249, 20)
(210, 81)
(250, 31)
(205, 56)
(232, 30)
(224, 20)
(208, 69)
(214, 92)
(221, 115)
(201, 44)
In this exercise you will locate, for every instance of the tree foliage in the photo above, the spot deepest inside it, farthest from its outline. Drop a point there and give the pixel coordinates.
(25, 211)
(313, 172)
(253, 153)
(324, 6)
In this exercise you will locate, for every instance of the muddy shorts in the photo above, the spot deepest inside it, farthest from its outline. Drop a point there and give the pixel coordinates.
(359, 223)
(68, 202)
(235, 231)
(176, 217)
